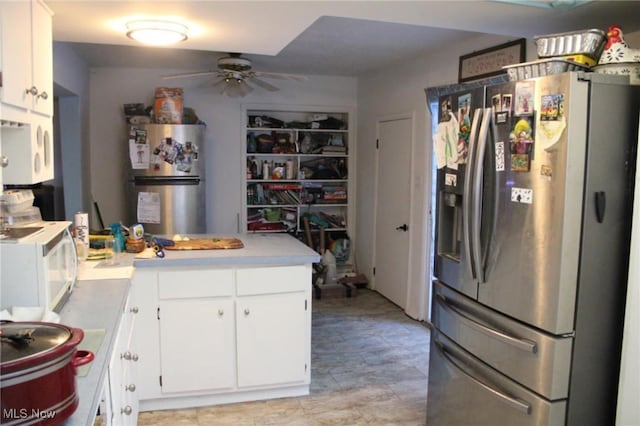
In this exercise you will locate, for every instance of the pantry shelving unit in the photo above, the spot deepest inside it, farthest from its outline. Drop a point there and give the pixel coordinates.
(299, 165)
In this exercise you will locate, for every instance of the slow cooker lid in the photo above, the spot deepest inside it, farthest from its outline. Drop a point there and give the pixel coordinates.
(22, 340)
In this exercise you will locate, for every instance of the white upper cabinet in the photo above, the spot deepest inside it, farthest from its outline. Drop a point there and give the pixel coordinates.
(26, 93)
(27, 59)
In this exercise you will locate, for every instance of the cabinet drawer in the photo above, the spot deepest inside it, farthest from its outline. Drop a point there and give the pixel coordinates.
(533, 358)
(184, 284)
(274, 279)
(465, 391)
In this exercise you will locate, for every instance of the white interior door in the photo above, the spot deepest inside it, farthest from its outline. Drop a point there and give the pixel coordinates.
(393, 206)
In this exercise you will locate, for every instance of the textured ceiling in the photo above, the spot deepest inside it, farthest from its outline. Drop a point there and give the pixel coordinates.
(311, 37)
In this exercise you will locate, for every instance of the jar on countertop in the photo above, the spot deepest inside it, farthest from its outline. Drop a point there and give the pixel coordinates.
(135, 246)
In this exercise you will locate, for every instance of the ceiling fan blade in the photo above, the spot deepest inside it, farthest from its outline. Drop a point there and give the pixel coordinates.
(245, 88)
(264, 84)
(190, 74)
(279, 75)
(220, 85)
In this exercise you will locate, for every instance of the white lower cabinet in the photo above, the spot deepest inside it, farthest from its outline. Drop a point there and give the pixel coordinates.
(271, 322)
(220, 335)
(196, 345)
(271, 332)
(121, 400)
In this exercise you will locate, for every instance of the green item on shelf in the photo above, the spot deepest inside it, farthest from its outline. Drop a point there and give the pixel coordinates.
(272, 215)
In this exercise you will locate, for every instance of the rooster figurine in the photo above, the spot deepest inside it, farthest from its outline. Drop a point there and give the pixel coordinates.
(617, 50)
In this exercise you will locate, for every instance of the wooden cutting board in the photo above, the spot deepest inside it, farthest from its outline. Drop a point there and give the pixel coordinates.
(207, 244)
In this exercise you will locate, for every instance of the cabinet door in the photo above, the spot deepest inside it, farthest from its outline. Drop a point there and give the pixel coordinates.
(16, 52)
(196, 345)
(272, 339)
(29, 150)
(146, 339)
(116, 369)
(42, 58)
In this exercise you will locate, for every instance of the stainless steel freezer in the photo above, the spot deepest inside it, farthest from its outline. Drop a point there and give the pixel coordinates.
(167, 178)
(528, 304)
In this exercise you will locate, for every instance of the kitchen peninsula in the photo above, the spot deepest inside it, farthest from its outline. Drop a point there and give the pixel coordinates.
(205, 327)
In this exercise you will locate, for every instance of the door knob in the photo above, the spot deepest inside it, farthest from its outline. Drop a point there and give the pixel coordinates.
(404, 228)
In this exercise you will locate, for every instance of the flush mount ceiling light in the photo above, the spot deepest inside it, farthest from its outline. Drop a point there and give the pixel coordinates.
(156, 32)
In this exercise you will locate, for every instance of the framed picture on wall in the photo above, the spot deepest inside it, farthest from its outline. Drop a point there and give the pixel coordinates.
(489, 62)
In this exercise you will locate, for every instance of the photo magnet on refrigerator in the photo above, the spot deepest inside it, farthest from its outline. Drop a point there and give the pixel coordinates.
(521, 145)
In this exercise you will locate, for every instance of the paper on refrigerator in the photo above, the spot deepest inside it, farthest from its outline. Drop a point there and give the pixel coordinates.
(446, 143)
(148, 210)
(139, 155)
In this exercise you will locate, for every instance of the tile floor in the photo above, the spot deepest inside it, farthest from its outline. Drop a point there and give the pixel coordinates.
(368, 367)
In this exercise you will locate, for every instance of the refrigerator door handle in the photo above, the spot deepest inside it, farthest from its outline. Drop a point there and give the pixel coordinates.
(517, 342)
(166, 180)
(601, 205)
(478, 169)
(494, 177)
(518, 404)
(466, 197)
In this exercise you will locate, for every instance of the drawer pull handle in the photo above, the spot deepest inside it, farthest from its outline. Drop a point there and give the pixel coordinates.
(130, 388)
(520, 343)
(126, 410)
(518, 404)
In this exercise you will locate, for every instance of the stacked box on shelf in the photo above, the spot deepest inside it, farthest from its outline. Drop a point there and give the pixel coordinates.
(322, 193)
(334, 194)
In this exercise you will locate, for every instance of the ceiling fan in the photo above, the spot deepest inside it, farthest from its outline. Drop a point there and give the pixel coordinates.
(235, 73)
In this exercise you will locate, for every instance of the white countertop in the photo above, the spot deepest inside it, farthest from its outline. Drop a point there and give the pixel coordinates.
(95, 304)
(259, 249)
(99, 270)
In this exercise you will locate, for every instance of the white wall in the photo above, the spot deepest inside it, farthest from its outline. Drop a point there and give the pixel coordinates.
(113, 87)
(399, 89)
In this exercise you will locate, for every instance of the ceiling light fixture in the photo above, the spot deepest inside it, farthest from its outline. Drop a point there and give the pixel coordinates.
(156, 32)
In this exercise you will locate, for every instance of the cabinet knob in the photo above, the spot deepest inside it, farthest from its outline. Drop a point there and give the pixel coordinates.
(220, 312)
(130, 388)
(134, 358)
(4, 161)
(247, 311)
(126, 355)
(33, 90)
(43, 95)
(134, 310)
(126, 410)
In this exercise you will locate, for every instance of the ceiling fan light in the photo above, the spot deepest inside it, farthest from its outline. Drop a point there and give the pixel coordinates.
(156, 33)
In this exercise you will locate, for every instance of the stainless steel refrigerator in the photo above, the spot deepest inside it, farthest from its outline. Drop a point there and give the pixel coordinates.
(167, 178)
(532, 243)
